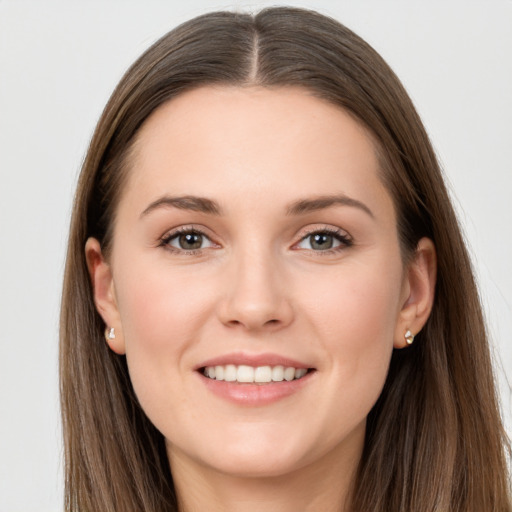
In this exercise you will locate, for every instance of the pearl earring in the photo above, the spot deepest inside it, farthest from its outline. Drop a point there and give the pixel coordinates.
(409, 337)
(110, 334)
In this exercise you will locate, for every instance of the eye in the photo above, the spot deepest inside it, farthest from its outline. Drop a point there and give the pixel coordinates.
(325, 240)
(187, 240)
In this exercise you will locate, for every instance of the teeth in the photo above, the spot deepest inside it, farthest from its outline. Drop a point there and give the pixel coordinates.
(245, 374)
(277, 373)
(229, 373)
(263, 374)
(219, 373)
(300, 372)
(249, 374)
(289, 373)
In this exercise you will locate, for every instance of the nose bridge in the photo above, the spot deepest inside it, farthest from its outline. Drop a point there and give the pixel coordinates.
(256, 294)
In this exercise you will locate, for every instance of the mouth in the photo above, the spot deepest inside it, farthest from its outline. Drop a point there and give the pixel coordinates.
(255, 380)
(261, 375)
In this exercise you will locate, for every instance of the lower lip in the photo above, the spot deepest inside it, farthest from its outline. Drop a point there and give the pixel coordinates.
(255, 395)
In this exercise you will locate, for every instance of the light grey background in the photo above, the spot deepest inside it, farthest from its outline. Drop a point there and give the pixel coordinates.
(58, 65)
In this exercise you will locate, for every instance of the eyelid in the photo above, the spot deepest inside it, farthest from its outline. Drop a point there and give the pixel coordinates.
(180, 230)
(324, 228)
(342, 236)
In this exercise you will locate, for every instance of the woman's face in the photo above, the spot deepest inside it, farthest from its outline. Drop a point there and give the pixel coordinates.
(254, 235)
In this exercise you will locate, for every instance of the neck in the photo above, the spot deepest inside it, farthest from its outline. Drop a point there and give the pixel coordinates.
(324, 485)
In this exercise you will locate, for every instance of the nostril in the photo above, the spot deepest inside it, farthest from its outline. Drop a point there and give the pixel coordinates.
(267, 323)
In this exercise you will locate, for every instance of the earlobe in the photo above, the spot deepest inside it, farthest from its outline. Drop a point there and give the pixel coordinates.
(104, 293)
(419, 292)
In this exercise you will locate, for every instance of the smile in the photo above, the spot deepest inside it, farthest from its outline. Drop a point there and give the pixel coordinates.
(257, 375)
(255, 380)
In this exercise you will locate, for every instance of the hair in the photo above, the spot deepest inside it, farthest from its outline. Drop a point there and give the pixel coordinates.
(434, 439)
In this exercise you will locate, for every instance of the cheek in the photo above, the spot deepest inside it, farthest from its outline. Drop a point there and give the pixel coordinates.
(355, 306)
(163, 315)
(354, 314)
(159, 303)
(150, 308)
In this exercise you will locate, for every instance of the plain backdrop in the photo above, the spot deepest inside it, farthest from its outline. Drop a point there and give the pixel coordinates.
(58, 65)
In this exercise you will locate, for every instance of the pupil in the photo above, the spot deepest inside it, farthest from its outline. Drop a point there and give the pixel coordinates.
(191, 241)
(321, 241)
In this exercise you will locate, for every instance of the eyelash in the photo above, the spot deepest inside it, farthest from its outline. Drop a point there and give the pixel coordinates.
(338, 234)
(184, 230)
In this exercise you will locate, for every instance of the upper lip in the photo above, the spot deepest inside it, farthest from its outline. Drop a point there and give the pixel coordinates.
(255, 360)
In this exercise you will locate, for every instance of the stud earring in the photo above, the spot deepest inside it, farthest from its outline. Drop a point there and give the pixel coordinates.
(110, 334)
(409, 337)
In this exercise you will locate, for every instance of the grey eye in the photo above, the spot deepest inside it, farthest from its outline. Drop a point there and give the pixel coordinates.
(320, 241)
(189, 241)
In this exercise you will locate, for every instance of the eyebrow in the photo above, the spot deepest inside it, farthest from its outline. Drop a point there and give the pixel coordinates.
(299, 207)
(196, 204)
(321, 202)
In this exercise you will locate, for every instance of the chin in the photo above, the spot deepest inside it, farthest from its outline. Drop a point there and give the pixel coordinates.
(259, 465)
(253, 454)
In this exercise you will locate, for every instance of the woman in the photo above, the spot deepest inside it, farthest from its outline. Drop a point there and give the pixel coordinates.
(267, 301)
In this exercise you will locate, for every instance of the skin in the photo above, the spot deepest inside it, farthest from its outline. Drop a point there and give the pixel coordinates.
(258, 285)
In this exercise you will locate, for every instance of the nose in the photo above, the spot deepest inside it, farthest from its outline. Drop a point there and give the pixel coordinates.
(255, 295)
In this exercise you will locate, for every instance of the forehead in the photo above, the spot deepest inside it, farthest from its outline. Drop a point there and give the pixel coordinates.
(237, 143)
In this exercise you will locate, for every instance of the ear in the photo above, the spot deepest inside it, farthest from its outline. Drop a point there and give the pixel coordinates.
(418, 292)
(104, 293)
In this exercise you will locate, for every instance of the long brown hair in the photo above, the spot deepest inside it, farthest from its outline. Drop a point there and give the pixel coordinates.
(434, 440)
